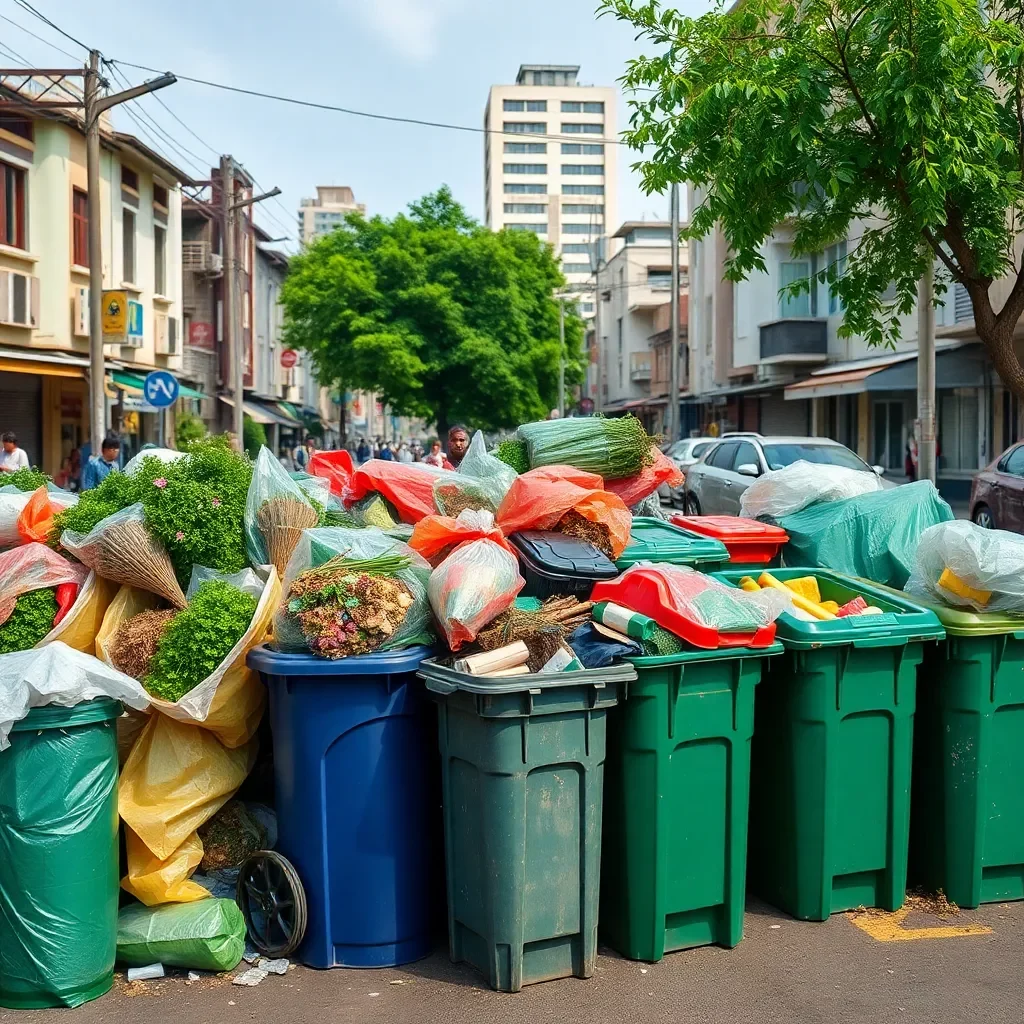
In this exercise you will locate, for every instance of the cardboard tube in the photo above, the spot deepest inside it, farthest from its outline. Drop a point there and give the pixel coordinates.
(488, 662)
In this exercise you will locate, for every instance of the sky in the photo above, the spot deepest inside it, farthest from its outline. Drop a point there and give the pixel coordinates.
(427, 59)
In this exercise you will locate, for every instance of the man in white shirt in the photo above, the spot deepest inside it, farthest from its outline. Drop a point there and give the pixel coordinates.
(13, 457)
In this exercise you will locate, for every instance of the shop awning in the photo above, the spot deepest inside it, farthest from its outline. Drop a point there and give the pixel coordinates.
(262, 412)
(720, 395)
(130, 382)
(14, 360)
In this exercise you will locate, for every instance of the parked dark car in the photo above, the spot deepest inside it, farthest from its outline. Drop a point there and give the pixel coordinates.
(997, 492)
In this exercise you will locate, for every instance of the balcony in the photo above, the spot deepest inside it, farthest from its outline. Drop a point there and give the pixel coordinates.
(640, 367)
(795, 340)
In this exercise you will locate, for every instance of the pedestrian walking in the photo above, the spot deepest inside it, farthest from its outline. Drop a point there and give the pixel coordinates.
(436, 457)
(99, 467)
(386, 453)
(363, 451)
(13, 457)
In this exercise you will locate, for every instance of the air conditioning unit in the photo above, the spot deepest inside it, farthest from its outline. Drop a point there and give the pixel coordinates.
(81, 313)
(216, 263)
(19, 299)
(166, 338)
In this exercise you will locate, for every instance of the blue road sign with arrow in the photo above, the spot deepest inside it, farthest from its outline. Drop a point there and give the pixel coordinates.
(161, 389)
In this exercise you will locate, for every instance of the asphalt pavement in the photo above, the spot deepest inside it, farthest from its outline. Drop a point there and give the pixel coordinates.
(783, 971)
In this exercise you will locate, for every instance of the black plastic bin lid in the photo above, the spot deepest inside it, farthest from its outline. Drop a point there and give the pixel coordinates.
(555, 554)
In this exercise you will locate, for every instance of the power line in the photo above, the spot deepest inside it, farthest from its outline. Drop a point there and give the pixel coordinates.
(25, 5)
(29, 32)
(363, 113)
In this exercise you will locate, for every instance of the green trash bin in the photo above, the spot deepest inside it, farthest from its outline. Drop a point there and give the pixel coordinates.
(59, 856)
(833, 738)
(522, 770)
(655, 540)
(967, 811)
(677, 781)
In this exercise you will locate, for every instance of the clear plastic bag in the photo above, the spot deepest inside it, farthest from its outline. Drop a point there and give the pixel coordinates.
(58, 674)
(276, 512)
(394, 613)
(204, 936)
(12, 504)
(781, 492)
(248, 580)
(967, 566)
(492, 476)
(476, 583)
(314, 487)
(166, 455)
(435, 536)
(33, 567)
(120, 548)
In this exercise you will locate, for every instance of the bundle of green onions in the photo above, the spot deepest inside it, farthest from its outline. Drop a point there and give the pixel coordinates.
(611, 448)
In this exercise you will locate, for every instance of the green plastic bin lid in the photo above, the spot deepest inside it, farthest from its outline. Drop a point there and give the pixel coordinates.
(54, 716)
(902, 621)
(654, 540)
(444, 680)
(964, 621)
(698, 654)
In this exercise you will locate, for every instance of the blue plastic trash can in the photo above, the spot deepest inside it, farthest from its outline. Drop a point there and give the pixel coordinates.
(358, 802)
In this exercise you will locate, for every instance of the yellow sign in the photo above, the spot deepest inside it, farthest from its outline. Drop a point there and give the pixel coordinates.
(115, 313)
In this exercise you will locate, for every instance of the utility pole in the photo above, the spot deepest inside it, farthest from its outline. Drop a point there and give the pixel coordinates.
(95, 105)
(229, 315)
(926, 373)
(561, 356)
(672, 425)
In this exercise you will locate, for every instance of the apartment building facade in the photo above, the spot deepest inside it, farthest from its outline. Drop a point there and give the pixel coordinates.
(45, 209)
(551, 166)
(764, 360)
(326, 211)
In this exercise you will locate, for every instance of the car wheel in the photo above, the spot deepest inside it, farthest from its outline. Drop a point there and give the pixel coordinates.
(983, 517)
(690, 505)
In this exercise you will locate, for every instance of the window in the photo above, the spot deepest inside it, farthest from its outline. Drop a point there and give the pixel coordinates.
(582, 149)
(778, 456)
(746, 455)
(583, 190)
(526, 127)
(525, 208)
(722, 457)
(537, 229)
(648, 235)
(526, 168)
(577, 248)
(1014, 462)
(160, 259)
(130, 178)
(80, 228)
(160, 196)
(699, 449)
(127, 245)
(523, 190)
(657, 278)
(582, 208)
(791, 271)
(576, 107)
(586, 307)
(959, 430)
(593, 108)
(526, 147)
(835, 255)
(20, 126)
(513, 105)
(583, 168)
(537, 106)
(581, 128)
(12, 206)
(581, 229)
(575, 268)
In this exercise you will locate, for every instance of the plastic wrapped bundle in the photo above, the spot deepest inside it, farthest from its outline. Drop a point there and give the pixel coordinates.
(781, 492)
(409, 487)
(476, 583)
(968, 566)
(276, 512)
(12, 504)
(34, 567)
(492, 476)
(436, 536)
(204, 936)
(611, 448)
(335, 467)
(350, 592)
(634, 489)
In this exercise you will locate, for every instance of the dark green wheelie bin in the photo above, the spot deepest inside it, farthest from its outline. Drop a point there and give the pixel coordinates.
(677, 780)
(59, 856)
(831, 763)
(522, 763)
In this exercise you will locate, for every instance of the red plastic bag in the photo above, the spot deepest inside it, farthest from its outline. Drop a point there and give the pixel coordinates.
(335, 467)
(435, 536)
(408, 486)
(537, 500)
(633, 489)
(33, 567)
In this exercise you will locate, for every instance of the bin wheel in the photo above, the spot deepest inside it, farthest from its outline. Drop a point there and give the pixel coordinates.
(273, 903)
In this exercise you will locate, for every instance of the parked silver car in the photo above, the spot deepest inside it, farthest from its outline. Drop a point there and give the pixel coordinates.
(715, 484)
(684, 454)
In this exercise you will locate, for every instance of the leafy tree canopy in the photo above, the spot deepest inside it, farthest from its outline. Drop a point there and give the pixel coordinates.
(440, 316)
(904, 117)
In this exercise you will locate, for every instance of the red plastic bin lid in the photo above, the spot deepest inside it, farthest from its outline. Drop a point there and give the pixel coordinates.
(643, 590)
(746, 540)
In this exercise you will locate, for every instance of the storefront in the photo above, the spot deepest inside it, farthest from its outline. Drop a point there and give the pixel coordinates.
(135, 420)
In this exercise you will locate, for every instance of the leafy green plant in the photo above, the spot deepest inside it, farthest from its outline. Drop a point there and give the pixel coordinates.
(116, 492)
(24, 479)
(188, 428)
(254, 437)
(198, 639)
(30, 621)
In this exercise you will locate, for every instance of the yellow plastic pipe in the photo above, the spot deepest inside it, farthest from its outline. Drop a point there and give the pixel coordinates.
(766, 579)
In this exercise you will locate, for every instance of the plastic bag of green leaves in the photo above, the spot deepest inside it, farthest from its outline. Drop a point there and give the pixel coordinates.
(277, 510)
(351, 592)
(208, 935)
(611, 448)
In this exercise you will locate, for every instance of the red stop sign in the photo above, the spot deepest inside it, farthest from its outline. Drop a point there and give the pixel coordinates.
(289, 357)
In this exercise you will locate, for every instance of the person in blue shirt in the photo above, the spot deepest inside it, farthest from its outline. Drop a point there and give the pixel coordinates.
(99, 467)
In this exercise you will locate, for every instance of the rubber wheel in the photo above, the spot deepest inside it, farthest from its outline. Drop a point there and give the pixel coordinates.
(983, 517)
(273, 903)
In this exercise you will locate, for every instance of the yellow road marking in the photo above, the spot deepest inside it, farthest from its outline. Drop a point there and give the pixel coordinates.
(884, 927)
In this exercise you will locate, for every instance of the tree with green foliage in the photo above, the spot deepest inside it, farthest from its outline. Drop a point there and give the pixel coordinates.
(254, 437)
(904, 118)
(188, 428)
(438, 315)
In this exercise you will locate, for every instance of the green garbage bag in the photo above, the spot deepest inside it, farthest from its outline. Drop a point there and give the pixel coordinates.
(873, 536)
(208, 935)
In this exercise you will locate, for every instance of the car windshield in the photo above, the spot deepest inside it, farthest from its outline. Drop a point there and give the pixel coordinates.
(778, 456)
(699, 449)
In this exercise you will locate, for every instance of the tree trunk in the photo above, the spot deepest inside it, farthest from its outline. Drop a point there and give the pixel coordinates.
(998, 342)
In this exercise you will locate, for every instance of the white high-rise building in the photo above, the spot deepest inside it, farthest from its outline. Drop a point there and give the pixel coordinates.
(550, 165)
(327, 211)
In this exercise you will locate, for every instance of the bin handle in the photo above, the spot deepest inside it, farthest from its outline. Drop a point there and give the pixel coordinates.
(439, 685)
(881, 641)
(1018, 634)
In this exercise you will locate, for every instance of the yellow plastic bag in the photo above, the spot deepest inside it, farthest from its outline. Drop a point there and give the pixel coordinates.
(155, 881)
(79, 627)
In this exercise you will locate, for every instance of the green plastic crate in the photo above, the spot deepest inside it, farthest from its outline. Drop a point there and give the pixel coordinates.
(654, 540)
(677, 781)
(833, 739)
(967, 812)
(523, 779)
